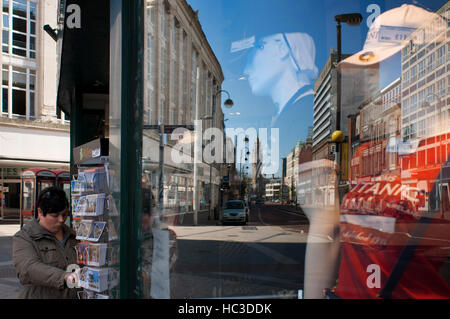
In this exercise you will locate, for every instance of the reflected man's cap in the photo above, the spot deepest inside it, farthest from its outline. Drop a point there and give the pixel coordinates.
(388, 33)
(300, 45)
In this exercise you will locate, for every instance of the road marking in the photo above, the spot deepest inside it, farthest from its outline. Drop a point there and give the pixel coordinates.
(260, 218)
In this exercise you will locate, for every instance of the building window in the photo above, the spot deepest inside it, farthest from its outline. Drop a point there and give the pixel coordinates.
(422, 128)
(413, 74)
(18, 92)
(182, 86)
(406, 78)
(413, 103)
(19, 28)
(173, 67)
(422, 97)
(193, 84)
(441, 87)
(421, 69)
(431, 62)
(405, 52)
(441, 55)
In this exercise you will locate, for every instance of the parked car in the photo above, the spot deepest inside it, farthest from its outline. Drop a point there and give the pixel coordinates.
(235, 211)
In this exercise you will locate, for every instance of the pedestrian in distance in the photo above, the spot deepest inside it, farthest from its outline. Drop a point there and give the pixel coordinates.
(44, 248)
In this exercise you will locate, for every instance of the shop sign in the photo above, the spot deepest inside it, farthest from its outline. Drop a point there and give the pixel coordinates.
(12, 172)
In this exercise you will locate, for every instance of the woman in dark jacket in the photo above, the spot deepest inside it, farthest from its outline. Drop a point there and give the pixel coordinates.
(44, 248)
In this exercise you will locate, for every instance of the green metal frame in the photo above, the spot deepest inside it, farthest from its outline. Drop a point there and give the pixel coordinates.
(131, 146)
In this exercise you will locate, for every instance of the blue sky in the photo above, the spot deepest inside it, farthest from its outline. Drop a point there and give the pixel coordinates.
(226, 21)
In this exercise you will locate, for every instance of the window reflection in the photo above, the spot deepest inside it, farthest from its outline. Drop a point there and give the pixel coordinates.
(343, 212)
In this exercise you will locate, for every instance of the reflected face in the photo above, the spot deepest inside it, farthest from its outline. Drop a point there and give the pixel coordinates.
(264, 65)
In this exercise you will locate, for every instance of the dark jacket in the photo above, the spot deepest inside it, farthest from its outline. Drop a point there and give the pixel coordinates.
(41, 262)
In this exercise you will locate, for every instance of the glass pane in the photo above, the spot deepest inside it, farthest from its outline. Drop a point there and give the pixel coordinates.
(32, 43)
(5, 21)
(19, 80)
(33, 28)
(32, 82)
(19, 52)
(5, 77)
(32, 11)
(32, 112)
(19, 102)
(19, 25)
(325, 167)
(5, 100)
(6, 6)
(19, 40)
(19, 69)
(20, 9)
(5, 37)
(28, 187)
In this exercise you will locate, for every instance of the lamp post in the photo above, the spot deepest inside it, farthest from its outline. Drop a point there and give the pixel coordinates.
(352, 19)
(228, 103)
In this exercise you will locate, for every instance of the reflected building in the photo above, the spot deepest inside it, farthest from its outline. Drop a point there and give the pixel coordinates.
(325, 96)
(175, 47)
(258, 185)
(273, 188)
(425, 79)
(376, 134)
(425, 101)
(301, 153)
(357, 85)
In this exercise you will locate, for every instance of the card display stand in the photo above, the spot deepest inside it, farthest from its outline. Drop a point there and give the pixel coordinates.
(95, 221)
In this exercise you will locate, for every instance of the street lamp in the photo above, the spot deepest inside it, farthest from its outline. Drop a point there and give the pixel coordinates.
(228, 103)
(352, 19)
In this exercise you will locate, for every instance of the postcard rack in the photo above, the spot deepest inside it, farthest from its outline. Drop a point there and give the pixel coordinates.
(96, 221)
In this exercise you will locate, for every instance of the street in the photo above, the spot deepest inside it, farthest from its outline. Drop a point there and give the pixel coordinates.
(263, 259)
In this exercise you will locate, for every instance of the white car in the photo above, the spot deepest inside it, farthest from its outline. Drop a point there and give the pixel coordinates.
(235, 211)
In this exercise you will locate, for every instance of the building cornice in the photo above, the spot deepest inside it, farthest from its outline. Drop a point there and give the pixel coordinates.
(24, 124)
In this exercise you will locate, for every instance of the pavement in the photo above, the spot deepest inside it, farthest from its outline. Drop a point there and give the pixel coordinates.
(262, 238)
(9, 284)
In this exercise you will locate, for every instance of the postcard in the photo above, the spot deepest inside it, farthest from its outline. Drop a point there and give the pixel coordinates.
(97, 231)
(84, 229)
(97, 254)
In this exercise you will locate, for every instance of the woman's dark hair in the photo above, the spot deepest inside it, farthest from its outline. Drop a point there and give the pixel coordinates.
(52, 200)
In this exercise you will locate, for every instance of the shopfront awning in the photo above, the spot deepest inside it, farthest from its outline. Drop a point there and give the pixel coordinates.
(84, 51)
(15, 163)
